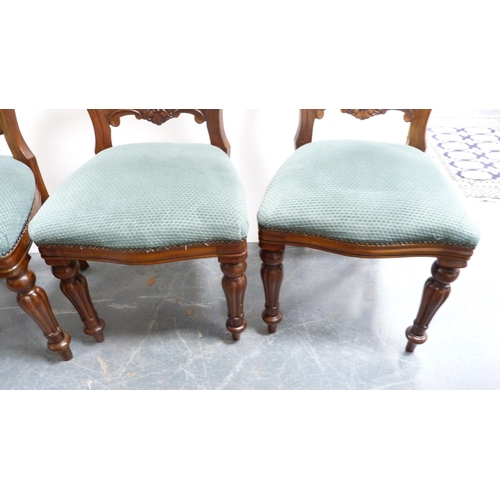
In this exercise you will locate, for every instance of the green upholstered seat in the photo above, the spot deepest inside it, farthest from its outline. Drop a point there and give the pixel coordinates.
(146, 196)
(366, 192)
(17, 193)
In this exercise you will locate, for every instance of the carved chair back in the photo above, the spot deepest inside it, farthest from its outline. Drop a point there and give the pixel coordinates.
(417, 118)
(9, 127)
(103, 119)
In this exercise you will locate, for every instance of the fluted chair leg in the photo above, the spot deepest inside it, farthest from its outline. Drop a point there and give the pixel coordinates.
(234, 284)
(436, 291)
(34, 302)
(271, 273)
(74, 286)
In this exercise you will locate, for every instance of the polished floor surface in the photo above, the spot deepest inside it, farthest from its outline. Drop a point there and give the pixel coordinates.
(343, 327)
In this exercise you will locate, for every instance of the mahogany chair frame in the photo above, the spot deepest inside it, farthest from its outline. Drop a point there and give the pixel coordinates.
(20, 279)
(449, 259)
(64, 260)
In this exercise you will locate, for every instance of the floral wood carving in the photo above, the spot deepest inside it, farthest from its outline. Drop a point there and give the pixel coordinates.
(363, 114)
(156, 116)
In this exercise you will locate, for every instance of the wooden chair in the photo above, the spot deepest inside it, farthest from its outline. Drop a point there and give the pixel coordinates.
(22, 191)
(366, 199)
(148, 203)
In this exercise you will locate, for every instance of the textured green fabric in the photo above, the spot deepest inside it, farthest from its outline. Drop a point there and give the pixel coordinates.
(17, 192)
(366, 192)
(146, 196)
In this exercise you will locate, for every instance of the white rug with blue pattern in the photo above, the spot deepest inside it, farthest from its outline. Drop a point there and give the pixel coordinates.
(469, 149)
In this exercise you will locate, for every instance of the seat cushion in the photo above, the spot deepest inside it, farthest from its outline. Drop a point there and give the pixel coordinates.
(366, 192)
(17, 193)
(146, 196)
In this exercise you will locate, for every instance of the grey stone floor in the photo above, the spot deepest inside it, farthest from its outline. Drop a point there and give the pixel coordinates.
(343, 327)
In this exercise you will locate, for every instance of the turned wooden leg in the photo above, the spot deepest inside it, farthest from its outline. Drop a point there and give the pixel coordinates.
(436, 291)
(234, 284)
(74, 286)
(34, 302)
(271, 273)
(84, 265)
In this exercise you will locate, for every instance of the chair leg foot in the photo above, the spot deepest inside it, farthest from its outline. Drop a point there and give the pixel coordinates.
(75, 288)
(234, 284)
(62, 347)
(436, 291)
(415, 340)
(33, 300)
(271, 273)
(410, 346)
(97, 332)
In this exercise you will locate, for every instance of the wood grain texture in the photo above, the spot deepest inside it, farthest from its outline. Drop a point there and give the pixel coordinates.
(74, 286)
(32, 299)
(234, 283)
(267, 236)
(436, 291)
(19, 148)
(271, 273)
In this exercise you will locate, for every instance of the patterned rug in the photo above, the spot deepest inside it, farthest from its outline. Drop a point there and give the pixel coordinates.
(469, 150)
